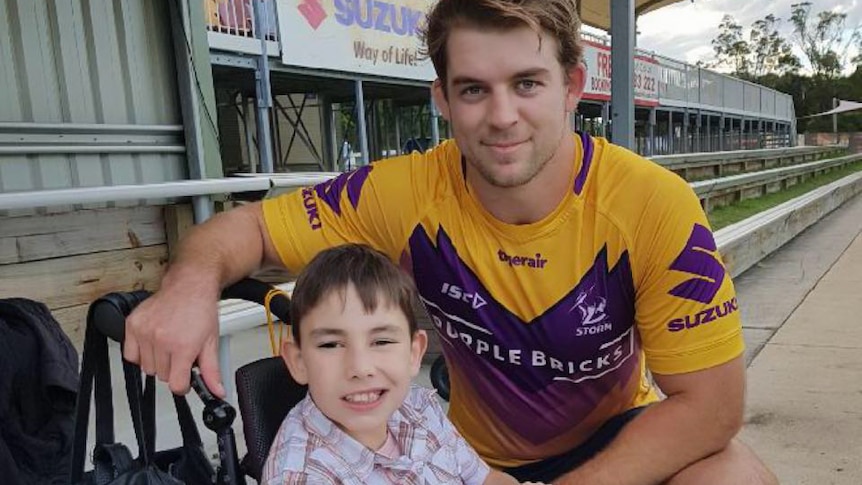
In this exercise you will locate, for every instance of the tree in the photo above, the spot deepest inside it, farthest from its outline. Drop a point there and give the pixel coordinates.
(771, 54)
(731, 48)
(765, 51)
(824, 40)
(857, 61)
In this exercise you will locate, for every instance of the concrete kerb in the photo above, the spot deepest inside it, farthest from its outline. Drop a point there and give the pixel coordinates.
(743, 244)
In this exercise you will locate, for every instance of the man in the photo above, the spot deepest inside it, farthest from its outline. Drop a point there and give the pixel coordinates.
(556, 267)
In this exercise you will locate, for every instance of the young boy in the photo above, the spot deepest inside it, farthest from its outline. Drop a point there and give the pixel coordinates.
(357, 346)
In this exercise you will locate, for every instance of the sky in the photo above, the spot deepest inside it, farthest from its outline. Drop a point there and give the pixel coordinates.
(685, 30)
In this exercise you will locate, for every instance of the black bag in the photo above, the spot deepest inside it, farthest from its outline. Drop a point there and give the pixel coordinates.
(38, 390)
(113, 463)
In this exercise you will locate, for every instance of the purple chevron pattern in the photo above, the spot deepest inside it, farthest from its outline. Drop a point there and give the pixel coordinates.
(549, 368)
(697, 259)
(331, 191)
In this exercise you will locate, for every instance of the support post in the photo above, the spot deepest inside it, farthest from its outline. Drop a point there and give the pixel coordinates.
(671, 132)
(435, 126)
(606, 115)
(398, 145)
(698, 130)
(760, 135)
(709, 146)
(650, 144)
(686, 145)
(622, 66)
(835, 119)
(360, 122)
(327, 128)
(263, 90)
(249, 138)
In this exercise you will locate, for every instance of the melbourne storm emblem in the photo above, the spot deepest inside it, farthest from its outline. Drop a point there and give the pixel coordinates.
(591, 309)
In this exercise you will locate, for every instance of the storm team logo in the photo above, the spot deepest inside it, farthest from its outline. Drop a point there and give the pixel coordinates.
(591, 309)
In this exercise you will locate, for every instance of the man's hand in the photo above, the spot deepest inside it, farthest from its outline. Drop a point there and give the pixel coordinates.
(178, 326)
(172, 330)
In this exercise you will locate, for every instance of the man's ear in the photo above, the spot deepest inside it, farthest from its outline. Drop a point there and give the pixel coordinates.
(577, 79)
(439, 97)
(418, 346)
(292, 355)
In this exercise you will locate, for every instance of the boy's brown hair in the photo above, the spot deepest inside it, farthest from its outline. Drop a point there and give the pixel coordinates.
(559, 18)
(371, 272)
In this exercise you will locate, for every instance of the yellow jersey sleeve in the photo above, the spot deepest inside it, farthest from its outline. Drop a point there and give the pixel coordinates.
(377, 204)
(686, 308)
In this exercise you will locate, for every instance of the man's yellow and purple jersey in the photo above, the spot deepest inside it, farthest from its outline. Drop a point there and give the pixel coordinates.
(547, 328)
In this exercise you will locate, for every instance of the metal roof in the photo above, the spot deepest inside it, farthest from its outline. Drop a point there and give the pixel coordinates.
(597, 13)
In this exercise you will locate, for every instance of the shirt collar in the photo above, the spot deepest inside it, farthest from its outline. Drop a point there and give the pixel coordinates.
(407, 424)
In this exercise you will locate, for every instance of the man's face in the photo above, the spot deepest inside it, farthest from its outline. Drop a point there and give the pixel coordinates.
(508, 101)
(358, 365)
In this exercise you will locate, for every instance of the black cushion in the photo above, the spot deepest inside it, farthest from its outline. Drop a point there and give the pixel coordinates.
(266, 393)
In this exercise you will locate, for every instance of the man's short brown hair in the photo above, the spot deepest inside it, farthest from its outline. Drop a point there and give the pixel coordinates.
(371, 272)
(559, 18)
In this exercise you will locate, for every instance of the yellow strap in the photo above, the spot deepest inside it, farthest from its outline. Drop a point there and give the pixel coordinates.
(270, 321)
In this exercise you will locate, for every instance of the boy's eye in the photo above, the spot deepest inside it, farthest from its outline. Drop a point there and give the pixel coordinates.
(380, 342)
(328, 345)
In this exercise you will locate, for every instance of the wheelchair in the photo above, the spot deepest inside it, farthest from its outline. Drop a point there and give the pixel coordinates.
(266, 391)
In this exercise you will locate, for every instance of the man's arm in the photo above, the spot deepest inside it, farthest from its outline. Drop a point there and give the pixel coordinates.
(179, 324)
(702, 413)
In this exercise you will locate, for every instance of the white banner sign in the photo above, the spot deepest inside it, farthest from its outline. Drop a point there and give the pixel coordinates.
(357, 36)
(597, 58)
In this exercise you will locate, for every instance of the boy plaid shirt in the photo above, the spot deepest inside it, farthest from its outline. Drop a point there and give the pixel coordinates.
(311, 449)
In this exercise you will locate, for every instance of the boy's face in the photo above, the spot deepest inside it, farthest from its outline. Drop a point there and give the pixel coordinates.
(508, 100)
(358, 365)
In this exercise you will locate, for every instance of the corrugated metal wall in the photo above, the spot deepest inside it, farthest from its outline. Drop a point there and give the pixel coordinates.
(88, 94)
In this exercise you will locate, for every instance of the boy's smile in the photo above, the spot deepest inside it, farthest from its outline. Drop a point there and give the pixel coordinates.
(358, 364)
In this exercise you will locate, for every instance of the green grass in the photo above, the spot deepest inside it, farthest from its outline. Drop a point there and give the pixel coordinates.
(724, 216)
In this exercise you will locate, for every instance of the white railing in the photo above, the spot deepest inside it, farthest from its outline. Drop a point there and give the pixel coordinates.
(186, 188)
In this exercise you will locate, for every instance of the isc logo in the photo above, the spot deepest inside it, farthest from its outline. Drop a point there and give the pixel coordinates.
(458, 293)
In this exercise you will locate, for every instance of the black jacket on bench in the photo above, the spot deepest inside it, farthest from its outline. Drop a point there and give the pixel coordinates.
(38, 390)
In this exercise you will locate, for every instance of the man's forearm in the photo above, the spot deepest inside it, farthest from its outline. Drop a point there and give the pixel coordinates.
(222, 250)
(657, 444)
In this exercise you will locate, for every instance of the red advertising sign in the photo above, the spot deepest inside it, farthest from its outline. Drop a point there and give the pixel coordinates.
(597, 58)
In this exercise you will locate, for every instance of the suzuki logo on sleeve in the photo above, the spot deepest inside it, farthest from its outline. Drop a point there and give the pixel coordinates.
(332, 190)
(698, 259)
(458, 293)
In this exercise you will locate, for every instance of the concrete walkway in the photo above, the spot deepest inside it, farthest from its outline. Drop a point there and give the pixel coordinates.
(804, 414)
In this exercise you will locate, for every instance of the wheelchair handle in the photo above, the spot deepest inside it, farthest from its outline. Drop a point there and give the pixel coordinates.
(110, 311)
